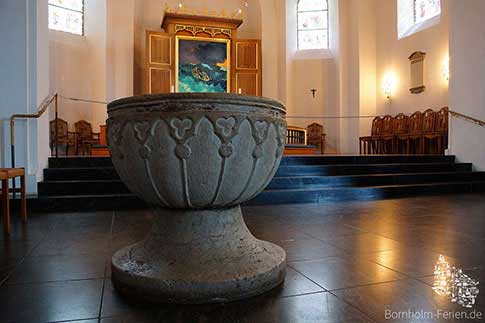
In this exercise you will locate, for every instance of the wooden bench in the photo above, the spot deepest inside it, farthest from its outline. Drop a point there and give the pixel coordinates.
(5, 175)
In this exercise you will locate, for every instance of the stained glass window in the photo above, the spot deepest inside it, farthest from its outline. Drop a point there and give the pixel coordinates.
(312, 24)
(426, 9)
(416, 15)
(67, 16)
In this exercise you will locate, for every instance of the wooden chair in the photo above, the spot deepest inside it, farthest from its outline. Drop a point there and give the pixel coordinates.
(64, 136)
(86, 137)
(295, 135)
(385, 140)
(413, 136)
(316, 136)
(442, 129)
(400, 127)
(429, 135)
(5, 175)
(367, 144)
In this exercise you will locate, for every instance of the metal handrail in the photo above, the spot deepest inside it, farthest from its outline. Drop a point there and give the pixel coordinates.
(82, 100)
(43, 108)
(468, 118)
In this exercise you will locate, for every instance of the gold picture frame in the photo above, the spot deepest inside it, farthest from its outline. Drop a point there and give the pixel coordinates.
(227, 42)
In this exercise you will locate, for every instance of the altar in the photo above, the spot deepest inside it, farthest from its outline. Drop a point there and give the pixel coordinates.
(201, 54)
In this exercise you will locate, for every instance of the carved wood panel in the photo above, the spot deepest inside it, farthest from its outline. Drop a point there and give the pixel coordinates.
(160, 62)
(246, 56)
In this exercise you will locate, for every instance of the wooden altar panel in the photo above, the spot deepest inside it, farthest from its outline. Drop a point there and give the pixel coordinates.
(160, 80)
(248, 83)
(246, 71)
(160, 62)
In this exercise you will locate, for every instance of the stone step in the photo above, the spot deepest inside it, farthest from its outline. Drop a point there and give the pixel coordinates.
(130, 201)
(82, 187)
(82, 162)
(109, 173)
(319, 195)
(83, 203)
(103, 187)
(372, 180)
(82, 173)
(357, 169)
(365, 159)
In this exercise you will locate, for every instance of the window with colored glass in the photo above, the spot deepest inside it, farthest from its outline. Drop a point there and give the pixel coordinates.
(312, 24)
(67, 16)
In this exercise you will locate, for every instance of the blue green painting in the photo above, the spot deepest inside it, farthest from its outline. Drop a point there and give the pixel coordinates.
(202, 66)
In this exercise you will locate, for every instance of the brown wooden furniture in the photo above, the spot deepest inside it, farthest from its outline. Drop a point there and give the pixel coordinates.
(400, 127)
(386, 138)
(367, 144)
(296, 142)
(316, 136)
(442, 129)
(102, 135)
(413, 137)
(300, 150)
(102, 149)
(245, 61)
(5, 175)
(420, 133)
(296, 135)
(86, 137)
(429, 136)
(64, 136)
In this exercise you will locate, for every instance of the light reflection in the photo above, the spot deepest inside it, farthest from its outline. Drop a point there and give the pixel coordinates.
(453, 283)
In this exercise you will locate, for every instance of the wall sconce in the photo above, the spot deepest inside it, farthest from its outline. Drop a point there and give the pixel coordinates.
(445, 69)
(389, 82)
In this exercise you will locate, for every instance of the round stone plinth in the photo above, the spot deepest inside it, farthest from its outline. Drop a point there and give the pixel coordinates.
(198, 256)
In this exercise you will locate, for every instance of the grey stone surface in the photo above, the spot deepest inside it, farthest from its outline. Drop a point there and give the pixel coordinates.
(195, 158)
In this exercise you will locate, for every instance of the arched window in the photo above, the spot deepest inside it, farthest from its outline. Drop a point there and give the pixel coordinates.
(312, 24)
(416, 15)
(67, 16)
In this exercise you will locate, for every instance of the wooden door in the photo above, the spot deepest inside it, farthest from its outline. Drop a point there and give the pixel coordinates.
(160, 51)
(246, 67)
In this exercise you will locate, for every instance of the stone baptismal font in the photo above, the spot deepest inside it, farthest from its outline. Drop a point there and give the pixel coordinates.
(195, 158)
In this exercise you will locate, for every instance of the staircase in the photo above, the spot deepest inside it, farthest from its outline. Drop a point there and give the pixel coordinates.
(91, 183)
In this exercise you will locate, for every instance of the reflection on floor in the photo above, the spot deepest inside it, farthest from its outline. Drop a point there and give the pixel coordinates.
(348, 262)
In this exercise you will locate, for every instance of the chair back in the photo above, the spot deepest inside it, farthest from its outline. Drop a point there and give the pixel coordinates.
(376, 126)
(314, 131)
(62, 129)
(295, 135)
(401, 124)
(429, 121)
(84, 129)
(442, 121)
(416, 123)
(387, 125)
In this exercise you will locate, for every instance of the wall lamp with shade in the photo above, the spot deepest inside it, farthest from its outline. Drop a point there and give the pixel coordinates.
(389, 84)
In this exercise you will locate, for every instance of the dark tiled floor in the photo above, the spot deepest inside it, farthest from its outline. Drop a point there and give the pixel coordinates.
(347, 262)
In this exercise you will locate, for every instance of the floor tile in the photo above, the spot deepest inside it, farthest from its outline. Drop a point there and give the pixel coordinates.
(296, 284)
(363, 252)
(50, 302)
(318, 307)
(58, 268)
(307, 249)
(74, 244)
(398, 298)
(411, 261)
(363, 243)
(344, 272)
